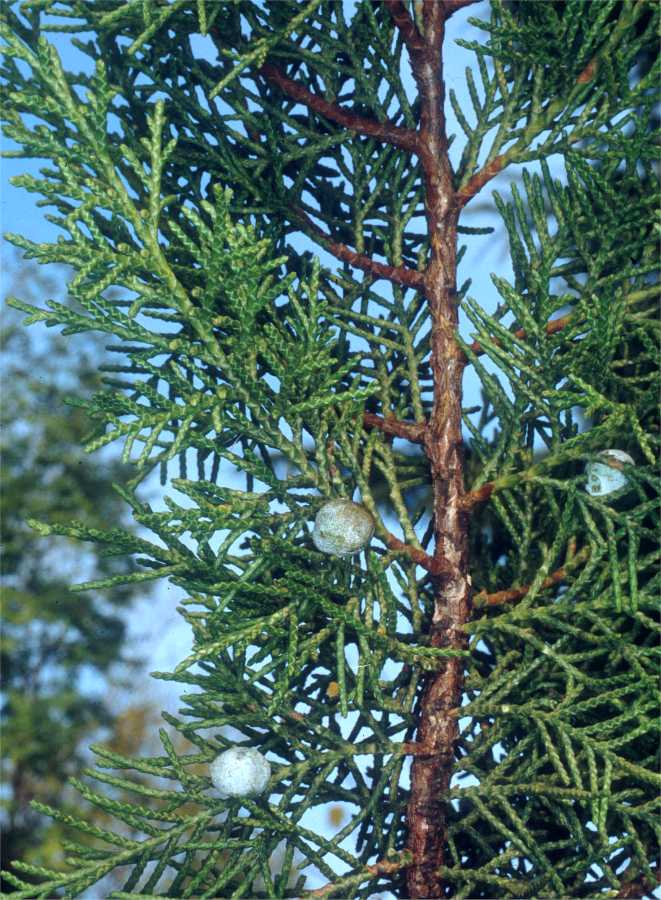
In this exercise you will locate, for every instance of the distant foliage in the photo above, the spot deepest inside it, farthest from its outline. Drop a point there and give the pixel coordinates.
(52, 637)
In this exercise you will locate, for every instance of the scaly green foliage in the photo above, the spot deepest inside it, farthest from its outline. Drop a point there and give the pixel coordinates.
(179, 180)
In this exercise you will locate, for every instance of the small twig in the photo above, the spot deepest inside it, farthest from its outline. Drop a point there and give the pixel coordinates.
(333, 470)
(397, 274)
(432, 565)
(412, 38)
(477, 182)
(412, 431)
(480, 495)
(588, 72)
(560, 324)
(551, 328)
(383, 867)
(405, 138)
(508, 596)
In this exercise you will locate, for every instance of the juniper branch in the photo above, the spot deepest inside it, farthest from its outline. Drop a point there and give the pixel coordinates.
(397, 274)
(545, 119)
(430, 776)
(498, 598)
(568, 690)
(383, 867)
(559, 324)
(386, 131)
(412, 431)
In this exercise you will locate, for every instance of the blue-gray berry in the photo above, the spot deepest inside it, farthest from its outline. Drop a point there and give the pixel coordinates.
(342, 528)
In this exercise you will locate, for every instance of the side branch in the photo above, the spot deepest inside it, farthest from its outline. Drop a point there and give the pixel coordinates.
(385, 131)
(563, 322)
(383, 867)
(453, 6)
(509, 596)
(480, 495)
(435, 566)
(512, 594)
(477, 182)
(551, 328)
(498, 163)
(397, 274)
(412, 431)
(409, 31)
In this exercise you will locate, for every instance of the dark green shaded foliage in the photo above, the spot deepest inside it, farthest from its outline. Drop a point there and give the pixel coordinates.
(244, 357)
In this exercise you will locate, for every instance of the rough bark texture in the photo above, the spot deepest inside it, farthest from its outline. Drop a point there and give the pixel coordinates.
(438, 729)
(441, 436)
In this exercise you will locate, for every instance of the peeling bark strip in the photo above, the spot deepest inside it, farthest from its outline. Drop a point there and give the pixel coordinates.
(438, 728)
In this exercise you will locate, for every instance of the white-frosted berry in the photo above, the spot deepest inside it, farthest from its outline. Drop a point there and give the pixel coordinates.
(240, 772)
(342, 528)
(606, 477)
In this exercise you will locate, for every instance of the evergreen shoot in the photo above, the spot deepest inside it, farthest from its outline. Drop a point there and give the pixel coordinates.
(464, 657)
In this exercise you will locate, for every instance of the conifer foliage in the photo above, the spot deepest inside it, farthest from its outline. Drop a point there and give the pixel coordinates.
(476, 686)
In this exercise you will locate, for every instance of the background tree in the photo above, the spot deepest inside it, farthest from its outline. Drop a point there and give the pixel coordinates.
(503, 640)
(64, 658)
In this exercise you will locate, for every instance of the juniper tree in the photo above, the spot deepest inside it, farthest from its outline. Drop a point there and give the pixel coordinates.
(475, 685)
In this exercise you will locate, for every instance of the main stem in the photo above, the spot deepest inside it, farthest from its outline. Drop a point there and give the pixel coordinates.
(442, 438)
(438, 727)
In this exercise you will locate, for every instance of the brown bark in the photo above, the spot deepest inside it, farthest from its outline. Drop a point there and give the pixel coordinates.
(412, 431)
(453, 6)
(508, 596)
(518, 593)
(551, 328)
(480, 178)
(442, 690)
(396, 274)
(386, 131)
(480, 495)
(383, 867)
(441, 437)
(407, 28)
(430, 563)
